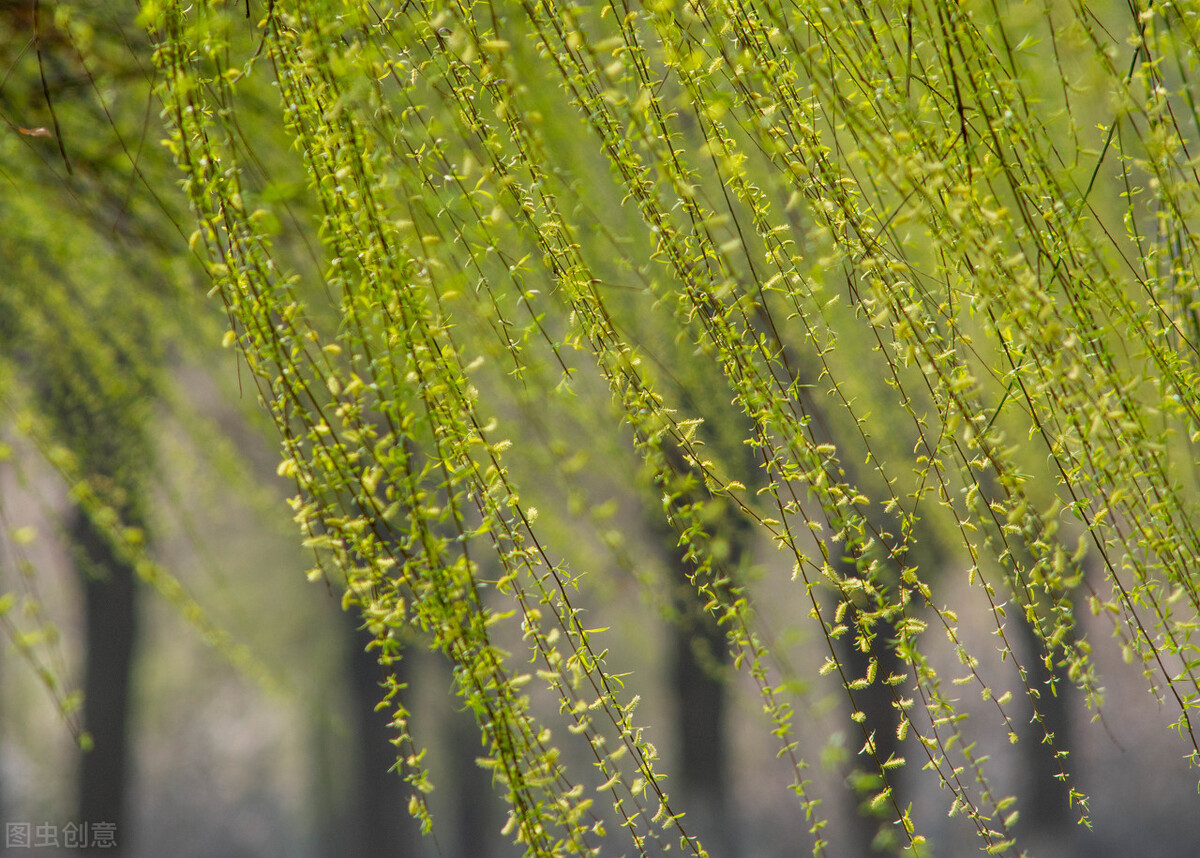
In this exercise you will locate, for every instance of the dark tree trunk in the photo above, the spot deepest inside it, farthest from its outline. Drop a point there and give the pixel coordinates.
(1045, 809)
(380, 823)
(466, 809)
(873, 830)
(701, 656)
(110, 630)
(476, 811)
(699, 668)
(875, 702)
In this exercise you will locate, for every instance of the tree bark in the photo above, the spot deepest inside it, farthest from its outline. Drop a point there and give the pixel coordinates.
(380, 822)
(110, 632)
(476, 812)
(1047, 809)
(701, 655)
(881, 721)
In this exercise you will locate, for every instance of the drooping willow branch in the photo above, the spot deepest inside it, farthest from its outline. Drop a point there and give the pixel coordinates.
(873, 208)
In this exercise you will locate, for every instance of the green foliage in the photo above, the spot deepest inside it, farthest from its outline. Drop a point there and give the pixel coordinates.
(905, 213)
(892, 287)
(89, 300)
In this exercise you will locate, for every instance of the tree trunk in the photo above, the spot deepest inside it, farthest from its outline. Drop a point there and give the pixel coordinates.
(380, 821)
(1046, 809)
(110, 630)
(881, 721)
(700, 657)
(476, 813)
(467, 815)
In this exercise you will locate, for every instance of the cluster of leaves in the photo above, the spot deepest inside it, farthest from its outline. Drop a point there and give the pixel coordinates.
(773, 240)
(89, 301)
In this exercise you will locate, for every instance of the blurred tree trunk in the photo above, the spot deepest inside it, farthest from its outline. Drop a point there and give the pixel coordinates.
(700, 661)
(881, 721)
(699, 673)
(466, 817)
(1046, 810)
(380, 823)
(871, 831)
(110, 632)
(475, 812)
(98, 410)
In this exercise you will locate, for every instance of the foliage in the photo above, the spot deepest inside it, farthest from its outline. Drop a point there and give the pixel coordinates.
(90, 299)
(888, 283)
